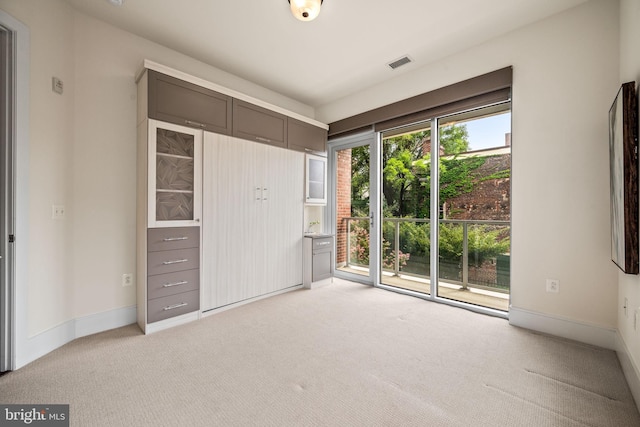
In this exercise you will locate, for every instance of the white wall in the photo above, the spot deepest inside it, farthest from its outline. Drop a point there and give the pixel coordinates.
(628, 285)
(565, 72)
(82, 155)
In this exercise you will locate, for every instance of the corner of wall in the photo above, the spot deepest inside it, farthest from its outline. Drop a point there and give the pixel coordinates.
(562, 327)
(51, 339)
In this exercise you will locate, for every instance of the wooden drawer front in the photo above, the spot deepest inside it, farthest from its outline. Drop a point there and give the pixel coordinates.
(172, 305)
(324, 244)
(176, 101)
(259, 124)
(163, 285)
(169, 261)
(164, 239)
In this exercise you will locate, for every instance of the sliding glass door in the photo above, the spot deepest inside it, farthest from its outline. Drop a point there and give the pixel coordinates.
(446, 208)
(406, 195)
(474, 207)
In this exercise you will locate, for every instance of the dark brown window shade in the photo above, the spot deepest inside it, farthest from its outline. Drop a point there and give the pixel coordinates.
(483, 90)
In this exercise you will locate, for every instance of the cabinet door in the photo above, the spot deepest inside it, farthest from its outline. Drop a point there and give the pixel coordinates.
(253, 205)
(282, 219)
(315, 180)
(229, 233)
(302, 136)
(259, 124)
(175, 175)
(176, 101)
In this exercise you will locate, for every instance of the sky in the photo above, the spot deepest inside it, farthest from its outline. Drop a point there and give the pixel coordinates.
(488, 132)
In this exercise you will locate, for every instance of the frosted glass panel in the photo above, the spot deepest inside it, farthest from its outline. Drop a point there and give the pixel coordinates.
(316, 190)
(316, 170)
(170, 142)
(174, 173)
(174, 206)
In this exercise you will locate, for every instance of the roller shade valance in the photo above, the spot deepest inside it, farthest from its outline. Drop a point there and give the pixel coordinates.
(472, 93)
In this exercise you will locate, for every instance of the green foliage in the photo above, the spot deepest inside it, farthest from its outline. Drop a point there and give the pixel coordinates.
(498, 175)
(454, 139)
(407, 169)
(456, 176)
(485, 241)
(360, 247)
(360, 181)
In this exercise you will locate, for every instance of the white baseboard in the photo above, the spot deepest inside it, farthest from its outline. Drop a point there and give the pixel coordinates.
(51, 339)
(629, 368)
(562, 327)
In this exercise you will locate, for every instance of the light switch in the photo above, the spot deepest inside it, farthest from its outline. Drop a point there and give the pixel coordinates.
(57, 85)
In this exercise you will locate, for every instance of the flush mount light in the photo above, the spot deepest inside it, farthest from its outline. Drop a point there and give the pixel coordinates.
(305, 10)
(116, 2)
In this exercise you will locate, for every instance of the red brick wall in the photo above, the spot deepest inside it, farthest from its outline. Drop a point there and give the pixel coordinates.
(490, 199)
(343, 191)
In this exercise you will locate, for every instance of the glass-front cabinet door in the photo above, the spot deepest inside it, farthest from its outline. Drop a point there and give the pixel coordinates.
(175, 172)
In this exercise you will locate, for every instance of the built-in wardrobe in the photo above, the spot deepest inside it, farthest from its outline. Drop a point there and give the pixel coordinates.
(221, 194)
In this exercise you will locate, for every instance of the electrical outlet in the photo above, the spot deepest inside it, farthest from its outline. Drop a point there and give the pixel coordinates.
(57, 211)
(553, 285)
(127, 279)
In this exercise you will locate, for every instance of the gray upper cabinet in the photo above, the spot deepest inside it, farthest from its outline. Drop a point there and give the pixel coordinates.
(259, 124)
(175, 101)
(306, 137)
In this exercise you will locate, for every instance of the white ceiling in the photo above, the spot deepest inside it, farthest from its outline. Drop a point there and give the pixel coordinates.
(343, 51)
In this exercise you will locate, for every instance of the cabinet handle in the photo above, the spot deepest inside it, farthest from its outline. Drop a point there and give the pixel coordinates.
(174, 306)
(174, 239)
(192, 123)
(323, 243)
(170, 285)
(177, 261)
(259, 138)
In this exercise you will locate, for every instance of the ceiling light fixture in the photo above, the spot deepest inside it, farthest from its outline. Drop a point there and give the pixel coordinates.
(305, 10)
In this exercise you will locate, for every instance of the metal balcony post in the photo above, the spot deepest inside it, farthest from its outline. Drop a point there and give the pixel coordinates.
(348, 257)
(465, 256)
(396, 267)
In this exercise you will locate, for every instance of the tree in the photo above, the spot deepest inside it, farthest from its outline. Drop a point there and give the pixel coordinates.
(407, 167)
(454, 139)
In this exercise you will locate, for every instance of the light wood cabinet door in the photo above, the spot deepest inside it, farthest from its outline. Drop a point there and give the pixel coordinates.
(253, 202)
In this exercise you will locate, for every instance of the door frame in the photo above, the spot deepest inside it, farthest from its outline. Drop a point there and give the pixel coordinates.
(372, 139)
(14, 182)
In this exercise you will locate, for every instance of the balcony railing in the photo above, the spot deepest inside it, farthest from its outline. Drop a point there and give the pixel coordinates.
(473, 253)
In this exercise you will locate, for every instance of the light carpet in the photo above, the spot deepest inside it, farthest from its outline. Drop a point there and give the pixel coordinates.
(340, 355)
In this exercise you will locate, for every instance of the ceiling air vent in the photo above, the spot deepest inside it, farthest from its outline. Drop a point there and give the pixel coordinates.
(399, 62)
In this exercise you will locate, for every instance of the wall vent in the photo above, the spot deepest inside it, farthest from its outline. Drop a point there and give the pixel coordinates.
(399, 62)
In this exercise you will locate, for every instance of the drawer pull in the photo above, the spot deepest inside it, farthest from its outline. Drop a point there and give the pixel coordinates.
(174, 306)
(192, 123)
(259, 138)
(323, 243)
(170, 285)
(174, 239)
(177, 261)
